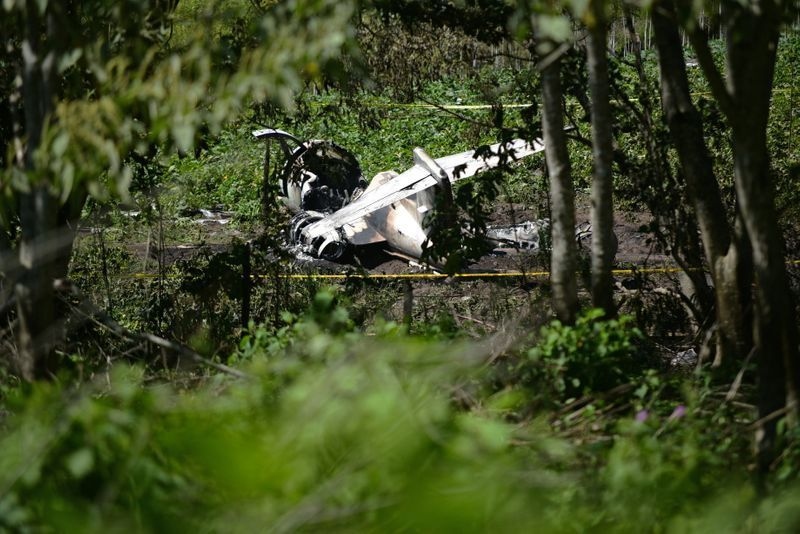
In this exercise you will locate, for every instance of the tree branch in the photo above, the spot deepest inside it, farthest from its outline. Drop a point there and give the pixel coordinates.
(699, 42)
(553, 56)
(100, 317)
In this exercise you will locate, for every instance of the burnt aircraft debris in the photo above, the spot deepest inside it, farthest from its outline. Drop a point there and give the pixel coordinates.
(335, 207)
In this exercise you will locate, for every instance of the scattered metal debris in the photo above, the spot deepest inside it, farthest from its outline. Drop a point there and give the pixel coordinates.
(686, 359)
(214, 217)
(336, 207)
(526, 235)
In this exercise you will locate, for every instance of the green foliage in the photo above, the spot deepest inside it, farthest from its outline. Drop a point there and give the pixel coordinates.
(348, 422)
(228, 174)
(339, 431)
(784, 127)
(649, 477)
(151, 97)
(594, 355)
(325, 315)
(250, 457)
(405, 59)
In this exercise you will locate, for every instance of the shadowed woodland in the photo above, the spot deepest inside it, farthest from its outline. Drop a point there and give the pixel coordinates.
(168, 361)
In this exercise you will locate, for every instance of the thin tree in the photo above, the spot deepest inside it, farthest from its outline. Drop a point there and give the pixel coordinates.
(726, 248)
(603, 241)
(96, 86)
(563, 261)
(752, 31)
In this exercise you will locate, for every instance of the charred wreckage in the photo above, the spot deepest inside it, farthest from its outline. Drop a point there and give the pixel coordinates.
(335, 207)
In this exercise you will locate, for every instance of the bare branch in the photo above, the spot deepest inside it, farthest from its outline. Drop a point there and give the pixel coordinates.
(775, 414)
(734, 389)
(553, 56)
(507, 55)
(185, 351)
(719, 89)
(101, 318)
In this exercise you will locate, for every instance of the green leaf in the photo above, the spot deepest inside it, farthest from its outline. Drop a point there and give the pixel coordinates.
(60, 144)
(123, 182)
(67, 181)
(69, 59)
(554, 27)
(80, 462)
(578, 7)
(183, 134)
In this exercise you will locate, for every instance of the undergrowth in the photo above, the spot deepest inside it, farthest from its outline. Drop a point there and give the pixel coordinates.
(350, 419)
(333, 429)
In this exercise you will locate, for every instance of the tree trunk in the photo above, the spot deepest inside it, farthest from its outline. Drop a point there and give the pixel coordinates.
(603, 240)
(563, 260)
(752, 39)
(730, 270)
(752, 42)
(683, 241)
(7, 271)
(39, 245)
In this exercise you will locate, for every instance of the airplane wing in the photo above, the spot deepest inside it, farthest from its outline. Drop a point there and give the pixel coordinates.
(416, 179)
(466, 164)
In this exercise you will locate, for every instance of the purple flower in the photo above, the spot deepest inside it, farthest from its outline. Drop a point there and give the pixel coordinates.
(641, 416)
(678, 412)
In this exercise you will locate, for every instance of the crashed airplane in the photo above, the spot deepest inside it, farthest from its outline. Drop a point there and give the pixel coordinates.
(335, 207)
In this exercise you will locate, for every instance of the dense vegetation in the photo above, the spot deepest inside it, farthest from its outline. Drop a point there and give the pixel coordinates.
(370, 404)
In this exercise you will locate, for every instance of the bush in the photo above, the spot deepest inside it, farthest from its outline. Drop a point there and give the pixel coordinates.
(335, 430)
(593, 355)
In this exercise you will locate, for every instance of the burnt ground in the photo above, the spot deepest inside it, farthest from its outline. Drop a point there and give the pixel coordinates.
(484, 301)
(478, 306)
(636, 247)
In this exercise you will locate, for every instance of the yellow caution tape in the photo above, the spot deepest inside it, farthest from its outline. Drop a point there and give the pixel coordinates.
(451, 106)
(431, 276)
(344, 276)
(505, 106)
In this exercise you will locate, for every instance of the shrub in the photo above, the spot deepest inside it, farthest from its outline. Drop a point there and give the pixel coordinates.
(593, 355)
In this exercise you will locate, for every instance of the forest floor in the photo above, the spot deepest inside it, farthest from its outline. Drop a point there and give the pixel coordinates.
(636, 247)
(478, 305)
(512, 297)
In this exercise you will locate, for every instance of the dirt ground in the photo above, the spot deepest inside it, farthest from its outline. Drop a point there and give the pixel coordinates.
(479, 306)
(635, 246)
(486, 305)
